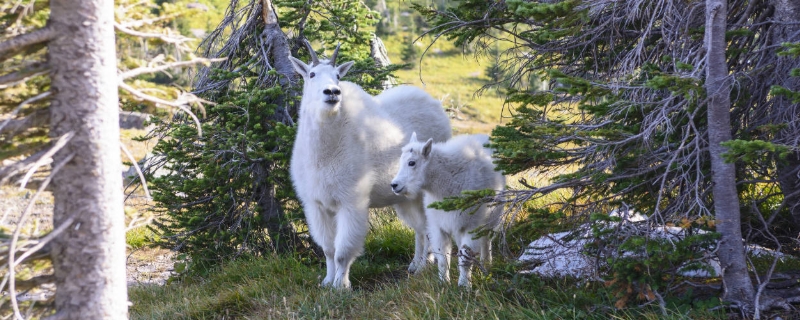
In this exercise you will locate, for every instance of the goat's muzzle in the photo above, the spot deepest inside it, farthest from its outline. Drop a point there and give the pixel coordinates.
(397, 189)
(332, 95)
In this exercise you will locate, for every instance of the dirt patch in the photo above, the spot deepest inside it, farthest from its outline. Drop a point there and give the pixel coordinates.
(150, 266)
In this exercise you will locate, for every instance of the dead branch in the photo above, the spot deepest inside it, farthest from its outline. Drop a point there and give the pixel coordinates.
(34, 282)
(34, 161)
(12, 247)
(145, 70)
(22, 75)
(180, 103)
(47, 157)
(16, 44)
(168, 38)
(138, 170)
(34, 120)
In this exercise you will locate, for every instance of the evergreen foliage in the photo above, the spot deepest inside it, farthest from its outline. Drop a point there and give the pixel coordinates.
(623, 122)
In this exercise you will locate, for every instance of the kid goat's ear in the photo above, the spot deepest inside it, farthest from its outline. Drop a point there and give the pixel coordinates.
(300, 66)
(426, 149)
(413, 137)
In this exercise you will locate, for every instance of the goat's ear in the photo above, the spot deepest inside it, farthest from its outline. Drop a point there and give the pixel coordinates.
(413, 137)
(426, 149)
(344, 67)
(301, 67)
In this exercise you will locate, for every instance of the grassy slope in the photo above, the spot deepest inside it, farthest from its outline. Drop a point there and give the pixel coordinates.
(287, 287)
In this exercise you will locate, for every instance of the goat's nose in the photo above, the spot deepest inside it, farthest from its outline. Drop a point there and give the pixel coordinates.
(394, 185)
(332, 91)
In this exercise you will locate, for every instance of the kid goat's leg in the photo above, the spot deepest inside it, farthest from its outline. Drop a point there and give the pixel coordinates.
(412, 213)
(441, 245)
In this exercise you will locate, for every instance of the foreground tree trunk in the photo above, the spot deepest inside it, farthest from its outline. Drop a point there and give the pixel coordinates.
(89, 257)
(736, 280)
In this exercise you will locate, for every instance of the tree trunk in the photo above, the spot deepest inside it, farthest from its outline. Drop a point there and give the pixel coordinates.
(89, 257)
(787, 13)
(735, 277)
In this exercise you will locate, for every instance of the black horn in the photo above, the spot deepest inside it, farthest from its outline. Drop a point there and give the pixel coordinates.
(335, 53)
(314, 59)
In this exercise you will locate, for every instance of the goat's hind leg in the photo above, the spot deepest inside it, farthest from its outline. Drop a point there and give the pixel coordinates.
(352, 226)
(412, 213)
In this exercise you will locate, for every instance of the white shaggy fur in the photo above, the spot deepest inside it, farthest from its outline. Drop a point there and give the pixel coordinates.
(344, 156)
(443, 170)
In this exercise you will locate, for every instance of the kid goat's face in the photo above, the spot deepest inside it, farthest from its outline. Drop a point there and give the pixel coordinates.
(411, 174)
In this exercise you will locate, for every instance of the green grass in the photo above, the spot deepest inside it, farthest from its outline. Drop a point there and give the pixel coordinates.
(283, 287)
(280, 287)
(140, 237)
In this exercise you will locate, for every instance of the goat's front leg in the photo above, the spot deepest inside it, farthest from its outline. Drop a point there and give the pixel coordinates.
(441, 245)
(351, 232)
(322, 227)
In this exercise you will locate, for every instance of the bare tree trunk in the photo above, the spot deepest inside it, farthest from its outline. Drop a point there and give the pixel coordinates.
(787, 14)
(89, 258)
(377, 51)
(736, 280)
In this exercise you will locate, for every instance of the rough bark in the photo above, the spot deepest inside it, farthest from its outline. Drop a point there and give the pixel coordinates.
(282, 235)
(787, 14)
(735, 277)
(377, 51)
(89, 257)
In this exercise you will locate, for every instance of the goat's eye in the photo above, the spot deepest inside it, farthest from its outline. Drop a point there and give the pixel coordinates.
(337, 77)
(411, 163)
(311, 75)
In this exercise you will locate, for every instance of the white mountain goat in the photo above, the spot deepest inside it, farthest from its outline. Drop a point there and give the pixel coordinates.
(443, 170)
(345, 154)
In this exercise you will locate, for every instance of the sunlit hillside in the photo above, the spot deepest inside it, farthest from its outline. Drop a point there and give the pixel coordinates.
(454, 78)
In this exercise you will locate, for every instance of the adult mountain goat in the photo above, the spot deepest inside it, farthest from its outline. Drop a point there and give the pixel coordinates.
(345, 154)
(443, 170)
